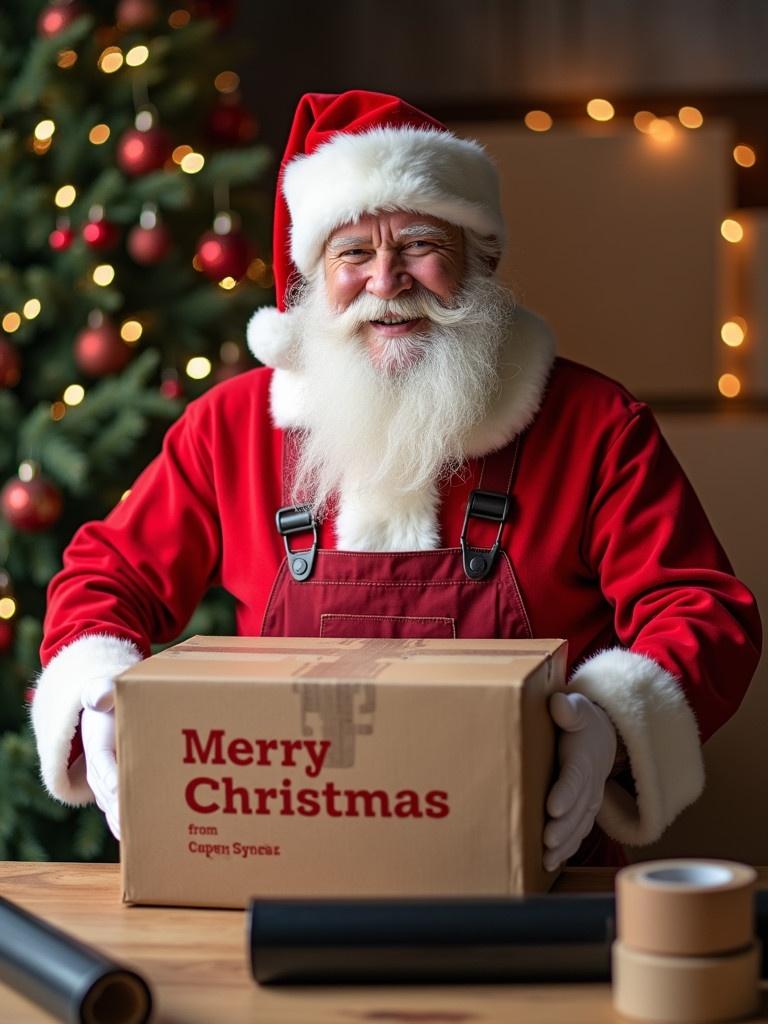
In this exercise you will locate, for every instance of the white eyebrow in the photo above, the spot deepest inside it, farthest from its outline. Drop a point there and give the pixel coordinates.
(348, 242)
(422, 231)
(412, 231)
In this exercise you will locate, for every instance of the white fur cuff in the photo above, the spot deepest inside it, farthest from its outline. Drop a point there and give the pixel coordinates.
(57, 705)
(649, 710)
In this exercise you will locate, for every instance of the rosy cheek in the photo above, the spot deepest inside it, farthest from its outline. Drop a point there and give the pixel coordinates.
(347, 282)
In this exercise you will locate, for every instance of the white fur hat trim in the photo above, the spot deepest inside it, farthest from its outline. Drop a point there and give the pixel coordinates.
(423, 170)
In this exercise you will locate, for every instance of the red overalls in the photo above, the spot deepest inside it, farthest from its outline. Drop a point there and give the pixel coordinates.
(468, 591)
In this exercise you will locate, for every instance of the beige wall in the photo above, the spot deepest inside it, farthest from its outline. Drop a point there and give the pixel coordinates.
(725, 458)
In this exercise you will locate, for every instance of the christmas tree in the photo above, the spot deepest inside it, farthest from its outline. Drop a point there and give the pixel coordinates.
(132, 231)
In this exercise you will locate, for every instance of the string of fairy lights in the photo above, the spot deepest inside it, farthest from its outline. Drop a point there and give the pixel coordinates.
(662, 131)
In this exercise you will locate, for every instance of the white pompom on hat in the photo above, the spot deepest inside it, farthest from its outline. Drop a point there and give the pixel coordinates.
(355, 153)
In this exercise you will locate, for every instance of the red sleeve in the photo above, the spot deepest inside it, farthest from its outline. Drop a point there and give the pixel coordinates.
(140, 573)
(672, 588)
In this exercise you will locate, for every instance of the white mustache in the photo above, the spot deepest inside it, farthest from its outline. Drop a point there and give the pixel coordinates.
(415, 305)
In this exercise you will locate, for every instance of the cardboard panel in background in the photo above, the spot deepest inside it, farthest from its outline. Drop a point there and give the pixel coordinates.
(615, 239)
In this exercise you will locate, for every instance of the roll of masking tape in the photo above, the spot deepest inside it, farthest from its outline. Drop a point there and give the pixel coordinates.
(673, 989)
(686, 907)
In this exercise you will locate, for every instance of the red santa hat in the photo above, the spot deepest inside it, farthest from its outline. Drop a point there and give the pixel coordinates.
(355, 153)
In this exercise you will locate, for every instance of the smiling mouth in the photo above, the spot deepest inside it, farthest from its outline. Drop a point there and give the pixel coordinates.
(395, 325)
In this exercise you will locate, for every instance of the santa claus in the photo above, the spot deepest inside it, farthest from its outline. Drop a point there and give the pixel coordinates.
(413, 461)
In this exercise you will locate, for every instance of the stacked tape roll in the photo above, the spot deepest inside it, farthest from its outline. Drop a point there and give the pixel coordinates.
(685, 947)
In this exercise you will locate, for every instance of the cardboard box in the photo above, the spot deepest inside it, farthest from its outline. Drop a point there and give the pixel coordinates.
(302, 767)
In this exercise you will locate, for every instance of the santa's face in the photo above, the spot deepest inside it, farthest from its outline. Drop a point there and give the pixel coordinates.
(390, 406)
(380, 261)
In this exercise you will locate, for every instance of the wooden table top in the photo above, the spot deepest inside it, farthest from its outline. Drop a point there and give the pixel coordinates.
(195, 962)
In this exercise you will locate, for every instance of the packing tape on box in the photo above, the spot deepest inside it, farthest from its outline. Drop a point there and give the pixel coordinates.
(686, 907)
(676, 989)
(69, 979)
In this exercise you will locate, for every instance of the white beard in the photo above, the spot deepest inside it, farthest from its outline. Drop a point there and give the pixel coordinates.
(386, 436)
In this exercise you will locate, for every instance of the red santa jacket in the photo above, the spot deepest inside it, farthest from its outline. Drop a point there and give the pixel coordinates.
(611, 548)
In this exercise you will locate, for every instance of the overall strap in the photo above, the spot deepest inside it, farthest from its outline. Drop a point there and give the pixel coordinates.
(491, 501)
(294, 520)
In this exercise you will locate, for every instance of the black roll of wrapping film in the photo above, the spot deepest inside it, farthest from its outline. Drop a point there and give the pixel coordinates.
(536, 938)
(66, 977)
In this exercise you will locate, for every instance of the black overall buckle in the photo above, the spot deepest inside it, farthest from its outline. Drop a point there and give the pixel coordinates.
(292, 520)
(493, 506)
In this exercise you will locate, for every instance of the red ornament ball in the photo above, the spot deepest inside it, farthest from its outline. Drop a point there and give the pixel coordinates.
(149, 245)
(171, 387)
(61, 238)
(56, 17)
(223, 256)
(6, 636)
(10, 364)
(136, 14)
(31, 505)
(100, 234)
(230, 123)
(141, 152)
(100, 350)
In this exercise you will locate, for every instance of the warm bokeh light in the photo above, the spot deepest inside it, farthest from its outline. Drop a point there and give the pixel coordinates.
(229, 352)
(256, 268)
(136, 56)
(729, 385)
(125, 494)
(99, 134)
(44, 130)
(227, 81)
(731, 230)
(744, 156)
(66, 59)
(27, 471)
(198, 367)
(178, 19)
(7, 607)
(74, 394)
(103, 274)
(600, 110)
(58, 411)
(661, 129)
(227, 283)
(131, 331)
(110, 60)
(31, 308)
(65, 196)
(734, 331)
(11, 322)
(144, 120)
(192, 163)
(180, 152)
(538, 121)
(41, 148)
(196, 264)
(690, 117)
(643, 119)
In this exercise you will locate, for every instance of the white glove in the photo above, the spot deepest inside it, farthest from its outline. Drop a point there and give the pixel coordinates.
(587, 750)
(97, 726)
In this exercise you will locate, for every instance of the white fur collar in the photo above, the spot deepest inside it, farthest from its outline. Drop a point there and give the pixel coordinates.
(409, 522)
